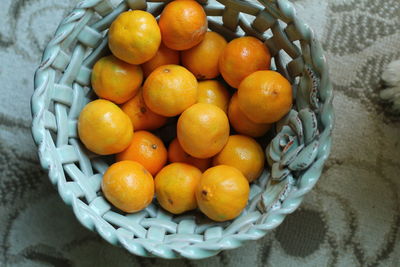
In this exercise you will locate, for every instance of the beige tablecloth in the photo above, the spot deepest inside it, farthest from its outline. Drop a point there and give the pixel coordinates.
(352, 217)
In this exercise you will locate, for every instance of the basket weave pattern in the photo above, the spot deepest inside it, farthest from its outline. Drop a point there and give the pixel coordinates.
(297, 152)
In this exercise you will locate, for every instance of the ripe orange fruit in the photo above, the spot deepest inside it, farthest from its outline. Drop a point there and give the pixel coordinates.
(243, 153)
(202, 59)
(183, 24)
(175, 187)
(134, 36)
(116, 80)
(222, 193)
(103, 128)
(147, 149)
(128, 186)
(203, 130)
(141, 116)
(164, 56)
(177, 154)
(213, 92)
(241, 57)
(241, 123)
(169, 90)
(265, 96)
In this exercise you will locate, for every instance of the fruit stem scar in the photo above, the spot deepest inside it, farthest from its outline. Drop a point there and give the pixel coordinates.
(166, 70)
(204, 192)
(143, 110)
(154, 146)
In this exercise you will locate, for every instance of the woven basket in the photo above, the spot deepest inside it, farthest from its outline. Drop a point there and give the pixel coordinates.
(296, 153)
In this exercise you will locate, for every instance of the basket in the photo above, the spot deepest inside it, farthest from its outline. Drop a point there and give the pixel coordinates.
(296, 153)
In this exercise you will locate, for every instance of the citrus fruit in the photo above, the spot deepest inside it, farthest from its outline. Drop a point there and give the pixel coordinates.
(177, 154)
(169, 90)
(241, 123)
(134, 36)
(147, 149)
(164, 56)
(203, 130)
(141, 116)
(243, 153)
(183, 24)
(116, 80)
(202, 59)
(265, 96)
(222, 193)
(213, 92)
(175, 187)
(128, 186)
(241, 57)
(104, 128)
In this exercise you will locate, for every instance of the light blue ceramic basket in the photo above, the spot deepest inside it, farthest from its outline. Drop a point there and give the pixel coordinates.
(296, 154)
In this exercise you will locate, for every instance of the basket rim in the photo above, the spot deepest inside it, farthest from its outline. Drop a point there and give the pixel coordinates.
(141, 246)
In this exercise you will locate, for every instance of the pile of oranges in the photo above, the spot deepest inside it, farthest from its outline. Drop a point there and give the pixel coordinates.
(221, 97)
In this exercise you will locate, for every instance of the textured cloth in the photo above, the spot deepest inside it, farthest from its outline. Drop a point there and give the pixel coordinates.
(351, 218)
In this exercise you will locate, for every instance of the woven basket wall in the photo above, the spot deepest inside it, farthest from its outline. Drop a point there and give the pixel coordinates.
(296, 154)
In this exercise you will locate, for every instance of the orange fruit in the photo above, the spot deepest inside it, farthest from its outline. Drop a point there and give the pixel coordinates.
(103, 128)
(203, 130)
(241, 57)
(169, 90)
(222, 193)
(213, 92)
(175, 187)
(134, 36)
(141, 116)
(241, 123)
(177, 154)
(243, 153)
(265, 96)
(164, 56)
(183, 24)
(147, 149)
(128, 186)
(116, 80)
(202, 59)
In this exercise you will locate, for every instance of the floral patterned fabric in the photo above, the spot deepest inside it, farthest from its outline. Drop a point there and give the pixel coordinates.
(351, 218)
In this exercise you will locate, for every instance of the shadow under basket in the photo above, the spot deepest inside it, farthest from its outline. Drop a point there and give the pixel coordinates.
(296, 152)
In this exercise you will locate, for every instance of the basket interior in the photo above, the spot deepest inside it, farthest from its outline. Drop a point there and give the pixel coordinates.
(63, 88)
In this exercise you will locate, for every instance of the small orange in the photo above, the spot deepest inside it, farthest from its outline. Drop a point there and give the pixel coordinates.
(265, 96)
(222, 193)
(203, 130)
(213, 92)
(202, 59)
(241, 123)
(147, 149)
(177, 154)
(116, 80)
(169, 90)
(103, 128)
(241, 57)
(183, 24)
(175, 187)
(128, 186)
(164, 56)
(134, 36)
(243, 153)
(141, 116)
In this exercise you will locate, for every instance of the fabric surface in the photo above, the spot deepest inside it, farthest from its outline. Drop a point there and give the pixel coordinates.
(351, 218)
